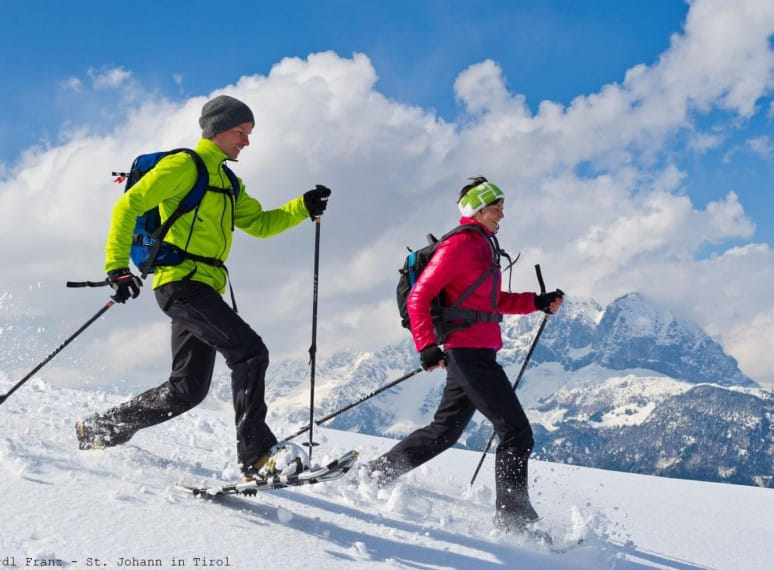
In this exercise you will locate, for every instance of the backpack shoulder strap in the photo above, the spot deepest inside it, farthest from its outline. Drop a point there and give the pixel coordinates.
(190, 200)
(495, 248)
(195, 195)
(233, 179)
(458, 229)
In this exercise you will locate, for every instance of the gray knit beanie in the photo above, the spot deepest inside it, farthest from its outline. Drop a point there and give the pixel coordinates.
(223, 113)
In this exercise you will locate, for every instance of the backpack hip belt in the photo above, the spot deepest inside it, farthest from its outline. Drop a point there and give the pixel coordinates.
(462, 314)
(178, 254)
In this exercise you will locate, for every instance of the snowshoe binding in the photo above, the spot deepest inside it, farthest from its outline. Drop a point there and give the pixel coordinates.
(284, 458)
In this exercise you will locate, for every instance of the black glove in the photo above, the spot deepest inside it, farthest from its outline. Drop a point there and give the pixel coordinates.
(430, 356)
(316, 200)
(124, 283)
(543, 302)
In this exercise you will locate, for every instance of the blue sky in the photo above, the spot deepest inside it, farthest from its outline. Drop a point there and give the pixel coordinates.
(549, 50)
(635, 137)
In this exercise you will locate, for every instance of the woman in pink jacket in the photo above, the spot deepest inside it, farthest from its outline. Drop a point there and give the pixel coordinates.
(475, 381)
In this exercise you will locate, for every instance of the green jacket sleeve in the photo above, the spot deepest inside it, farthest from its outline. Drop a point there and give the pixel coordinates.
(172, 177)
(250, 216)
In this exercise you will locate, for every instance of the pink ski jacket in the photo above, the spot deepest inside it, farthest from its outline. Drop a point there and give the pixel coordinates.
(456, 264)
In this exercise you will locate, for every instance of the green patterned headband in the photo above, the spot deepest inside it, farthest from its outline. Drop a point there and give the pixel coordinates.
(479, 197)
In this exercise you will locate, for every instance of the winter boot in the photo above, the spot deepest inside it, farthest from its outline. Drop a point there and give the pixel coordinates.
(514, 509)
(98, 432)
(384, 470)
(515, 521)
(374, 474)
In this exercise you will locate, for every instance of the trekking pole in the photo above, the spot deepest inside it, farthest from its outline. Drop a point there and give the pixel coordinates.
(521, 372)
(313, 348)
(18, 385)
(357, 403)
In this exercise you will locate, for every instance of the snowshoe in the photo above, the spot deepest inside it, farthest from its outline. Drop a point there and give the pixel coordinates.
(284, 458)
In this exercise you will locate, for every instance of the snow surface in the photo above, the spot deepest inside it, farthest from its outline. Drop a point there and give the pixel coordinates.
(120, 508)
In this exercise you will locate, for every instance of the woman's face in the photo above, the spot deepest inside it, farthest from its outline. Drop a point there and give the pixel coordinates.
(490, 216)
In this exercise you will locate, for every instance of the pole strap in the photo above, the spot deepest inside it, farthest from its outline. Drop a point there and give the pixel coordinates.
(88, 283)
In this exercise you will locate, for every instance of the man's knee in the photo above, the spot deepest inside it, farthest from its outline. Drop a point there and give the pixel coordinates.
(250, 350)
(184, 393)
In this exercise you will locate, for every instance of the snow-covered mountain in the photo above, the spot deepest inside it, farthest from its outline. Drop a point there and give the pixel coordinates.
(632, 332)
(705, 432)
(628, 387)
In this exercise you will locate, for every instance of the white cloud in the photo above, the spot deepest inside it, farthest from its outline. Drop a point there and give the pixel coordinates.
(723, 58)
(762, 146)
(72, 84)
(395, 170)
(481, 88)
(743, 342)
(136, 347)
(702, 142)
(655, 223)
(109, 78)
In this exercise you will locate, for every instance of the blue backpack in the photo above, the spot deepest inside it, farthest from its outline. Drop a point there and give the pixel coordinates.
(149, 249)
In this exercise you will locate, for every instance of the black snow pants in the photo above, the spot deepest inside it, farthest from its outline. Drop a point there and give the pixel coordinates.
(203, 324)
(475, 381)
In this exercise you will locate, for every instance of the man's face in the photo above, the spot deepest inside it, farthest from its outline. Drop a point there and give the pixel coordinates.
(234, 140)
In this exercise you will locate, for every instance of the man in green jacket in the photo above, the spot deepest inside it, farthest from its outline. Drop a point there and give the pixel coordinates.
(190, 293)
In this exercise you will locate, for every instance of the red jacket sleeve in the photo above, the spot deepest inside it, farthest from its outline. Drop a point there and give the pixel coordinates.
(516, 303)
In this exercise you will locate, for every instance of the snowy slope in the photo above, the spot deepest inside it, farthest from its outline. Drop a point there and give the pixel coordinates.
(120, 506)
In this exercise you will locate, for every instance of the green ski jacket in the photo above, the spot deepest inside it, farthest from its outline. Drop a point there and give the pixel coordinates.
(206, 230)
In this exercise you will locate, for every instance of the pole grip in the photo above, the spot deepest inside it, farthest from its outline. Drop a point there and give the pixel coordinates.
(540, 278)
